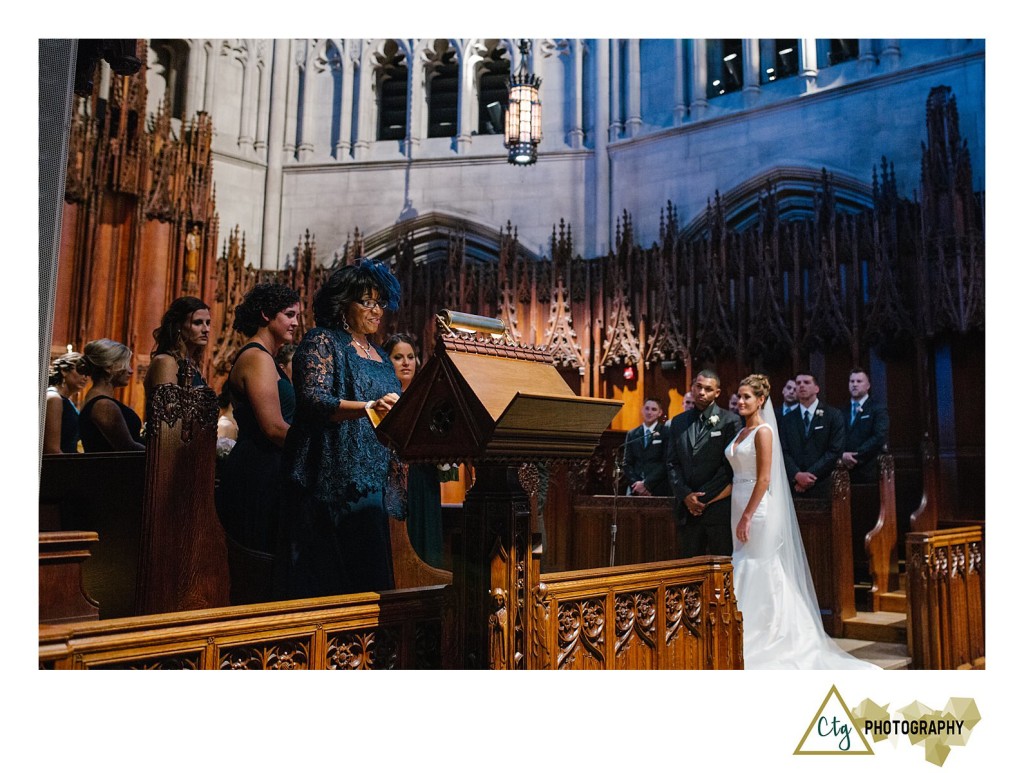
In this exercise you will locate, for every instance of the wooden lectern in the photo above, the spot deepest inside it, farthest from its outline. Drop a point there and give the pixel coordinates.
(498, 405)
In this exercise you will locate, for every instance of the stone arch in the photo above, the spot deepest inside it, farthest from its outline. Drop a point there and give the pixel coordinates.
(794, 188)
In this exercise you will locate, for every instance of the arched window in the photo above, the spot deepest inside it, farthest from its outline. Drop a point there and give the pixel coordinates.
(725, 66)
(780, 58)
(841, 50)
(442, 90)
(392, 92)
(492, 88)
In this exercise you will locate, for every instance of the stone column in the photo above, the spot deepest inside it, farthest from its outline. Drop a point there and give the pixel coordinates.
(416, 101)
(576, 133)
(350, 69)
(263, 70)
(890, 54)
(751, 71)
(615, 125)
(809, 62)
(602, 187)
(699, 79)
(292, 107)
(679, 85)
(248, 73)
(866, 59)
(634, 122)
(365, 130)
(464, 135)
(210, 80)
(279, 66)
(193, 80)
(309, 81)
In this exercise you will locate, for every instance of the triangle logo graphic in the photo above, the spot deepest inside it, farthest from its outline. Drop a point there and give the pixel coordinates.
(833, 730)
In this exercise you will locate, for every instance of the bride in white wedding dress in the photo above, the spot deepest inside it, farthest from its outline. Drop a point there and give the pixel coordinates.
(781, 620)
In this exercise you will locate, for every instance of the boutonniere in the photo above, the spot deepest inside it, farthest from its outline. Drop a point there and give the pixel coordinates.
(819, 412)
(713, 420)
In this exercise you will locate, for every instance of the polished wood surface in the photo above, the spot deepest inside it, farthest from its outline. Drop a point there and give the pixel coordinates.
(645, 530)
(62, 594)
(880, 544)
(395, 629)
(946, 598)
(670, 615)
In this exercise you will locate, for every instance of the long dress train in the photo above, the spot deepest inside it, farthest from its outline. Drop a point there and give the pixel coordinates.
(781, 620)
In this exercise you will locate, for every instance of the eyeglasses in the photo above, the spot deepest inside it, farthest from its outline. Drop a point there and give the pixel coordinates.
(370, 304)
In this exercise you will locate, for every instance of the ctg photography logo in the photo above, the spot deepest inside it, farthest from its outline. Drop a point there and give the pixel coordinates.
(836, 729)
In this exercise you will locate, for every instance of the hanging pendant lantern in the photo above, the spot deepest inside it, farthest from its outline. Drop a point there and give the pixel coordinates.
(523, 122)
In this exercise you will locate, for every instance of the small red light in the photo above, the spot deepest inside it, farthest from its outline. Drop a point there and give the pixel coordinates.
(629, 373)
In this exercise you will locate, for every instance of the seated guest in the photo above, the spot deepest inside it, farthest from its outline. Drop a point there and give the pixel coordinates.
(643, 458)
(60, 433)
(179, 344)
(263, 400)
(867, 430)
(105, 423)
(335, 467)
(423, 485)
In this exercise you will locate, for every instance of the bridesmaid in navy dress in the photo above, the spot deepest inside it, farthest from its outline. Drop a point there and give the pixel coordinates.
(60, 434)
(336, 470)
(263, 403)
(105, 423)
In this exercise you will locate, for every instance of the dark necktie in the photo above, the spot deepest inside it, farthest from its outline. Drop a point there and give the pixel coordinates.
(853, 412)
(647, 437)
(807, 423)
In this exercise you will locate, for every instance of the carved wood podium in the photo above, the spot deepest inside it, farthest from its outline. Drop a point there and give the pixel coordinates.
(498, 405)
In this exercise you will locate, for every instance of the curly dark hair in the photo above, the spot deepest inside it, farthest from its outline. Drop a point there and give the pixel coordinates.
(168, 336)
(350, 284)
(261, 304)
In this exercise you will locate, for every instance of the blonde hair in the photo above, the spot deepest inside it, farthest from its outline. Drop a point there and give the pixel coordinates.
(759, 385)
(103, 357)
(61, 365)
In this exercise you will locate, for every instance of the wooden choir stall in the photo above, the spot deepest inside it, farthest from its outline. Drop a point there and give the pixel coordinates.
(499, 405)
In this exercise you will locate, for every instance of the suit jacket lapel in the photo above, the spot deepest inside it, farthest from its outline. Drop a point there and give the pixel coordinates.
(691, 429)
(702, 441)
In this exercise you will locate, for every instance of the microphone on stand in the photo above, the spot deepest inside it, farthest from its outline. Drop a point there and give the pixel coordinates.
(618, 458)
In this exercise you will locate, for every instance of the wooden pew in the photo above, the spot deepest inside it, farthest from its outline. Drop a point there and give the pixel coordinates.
(946, 598)
(100, 493)
(62, 595)
(882, 542)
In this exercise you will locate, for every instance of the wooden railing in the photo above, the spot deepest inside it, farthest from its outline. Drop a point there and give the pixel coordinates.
(670, 615)
(946, 598)
(394, 629)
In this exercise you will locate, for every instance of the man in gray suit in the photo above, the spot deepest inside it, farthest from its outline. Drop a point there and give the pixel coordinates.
(699, 471)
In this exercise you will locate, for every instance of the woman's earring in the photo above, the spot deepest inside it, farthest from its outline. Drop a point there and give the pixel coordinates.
(344, 324)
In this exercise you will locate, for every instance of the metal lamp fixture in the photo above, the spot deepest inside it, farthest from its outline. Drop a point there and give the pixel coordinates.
(523, 123)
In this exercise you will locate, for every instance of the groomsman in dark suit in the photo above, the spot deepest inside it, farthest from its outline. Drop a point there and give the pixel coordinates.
(812, 438)
(789, 402)
(643, 458)
(699, 471)
(867, 430)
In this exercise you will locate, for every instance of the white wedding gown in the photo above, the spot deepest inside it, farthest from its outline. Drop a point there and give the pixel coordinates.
(781, 620)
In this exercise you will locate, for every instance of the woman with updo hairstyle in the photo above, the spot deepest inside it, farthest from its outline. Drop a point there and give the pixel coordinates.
(105, 423)
(423, 485)
(60, 433)
(335, 467)
(774, 591)
(179, 344)
(263, 403)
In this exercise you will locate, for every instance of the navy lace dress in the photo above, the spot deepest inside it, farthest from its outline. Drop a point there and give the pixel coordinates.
(249, 493)
(337, 537)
